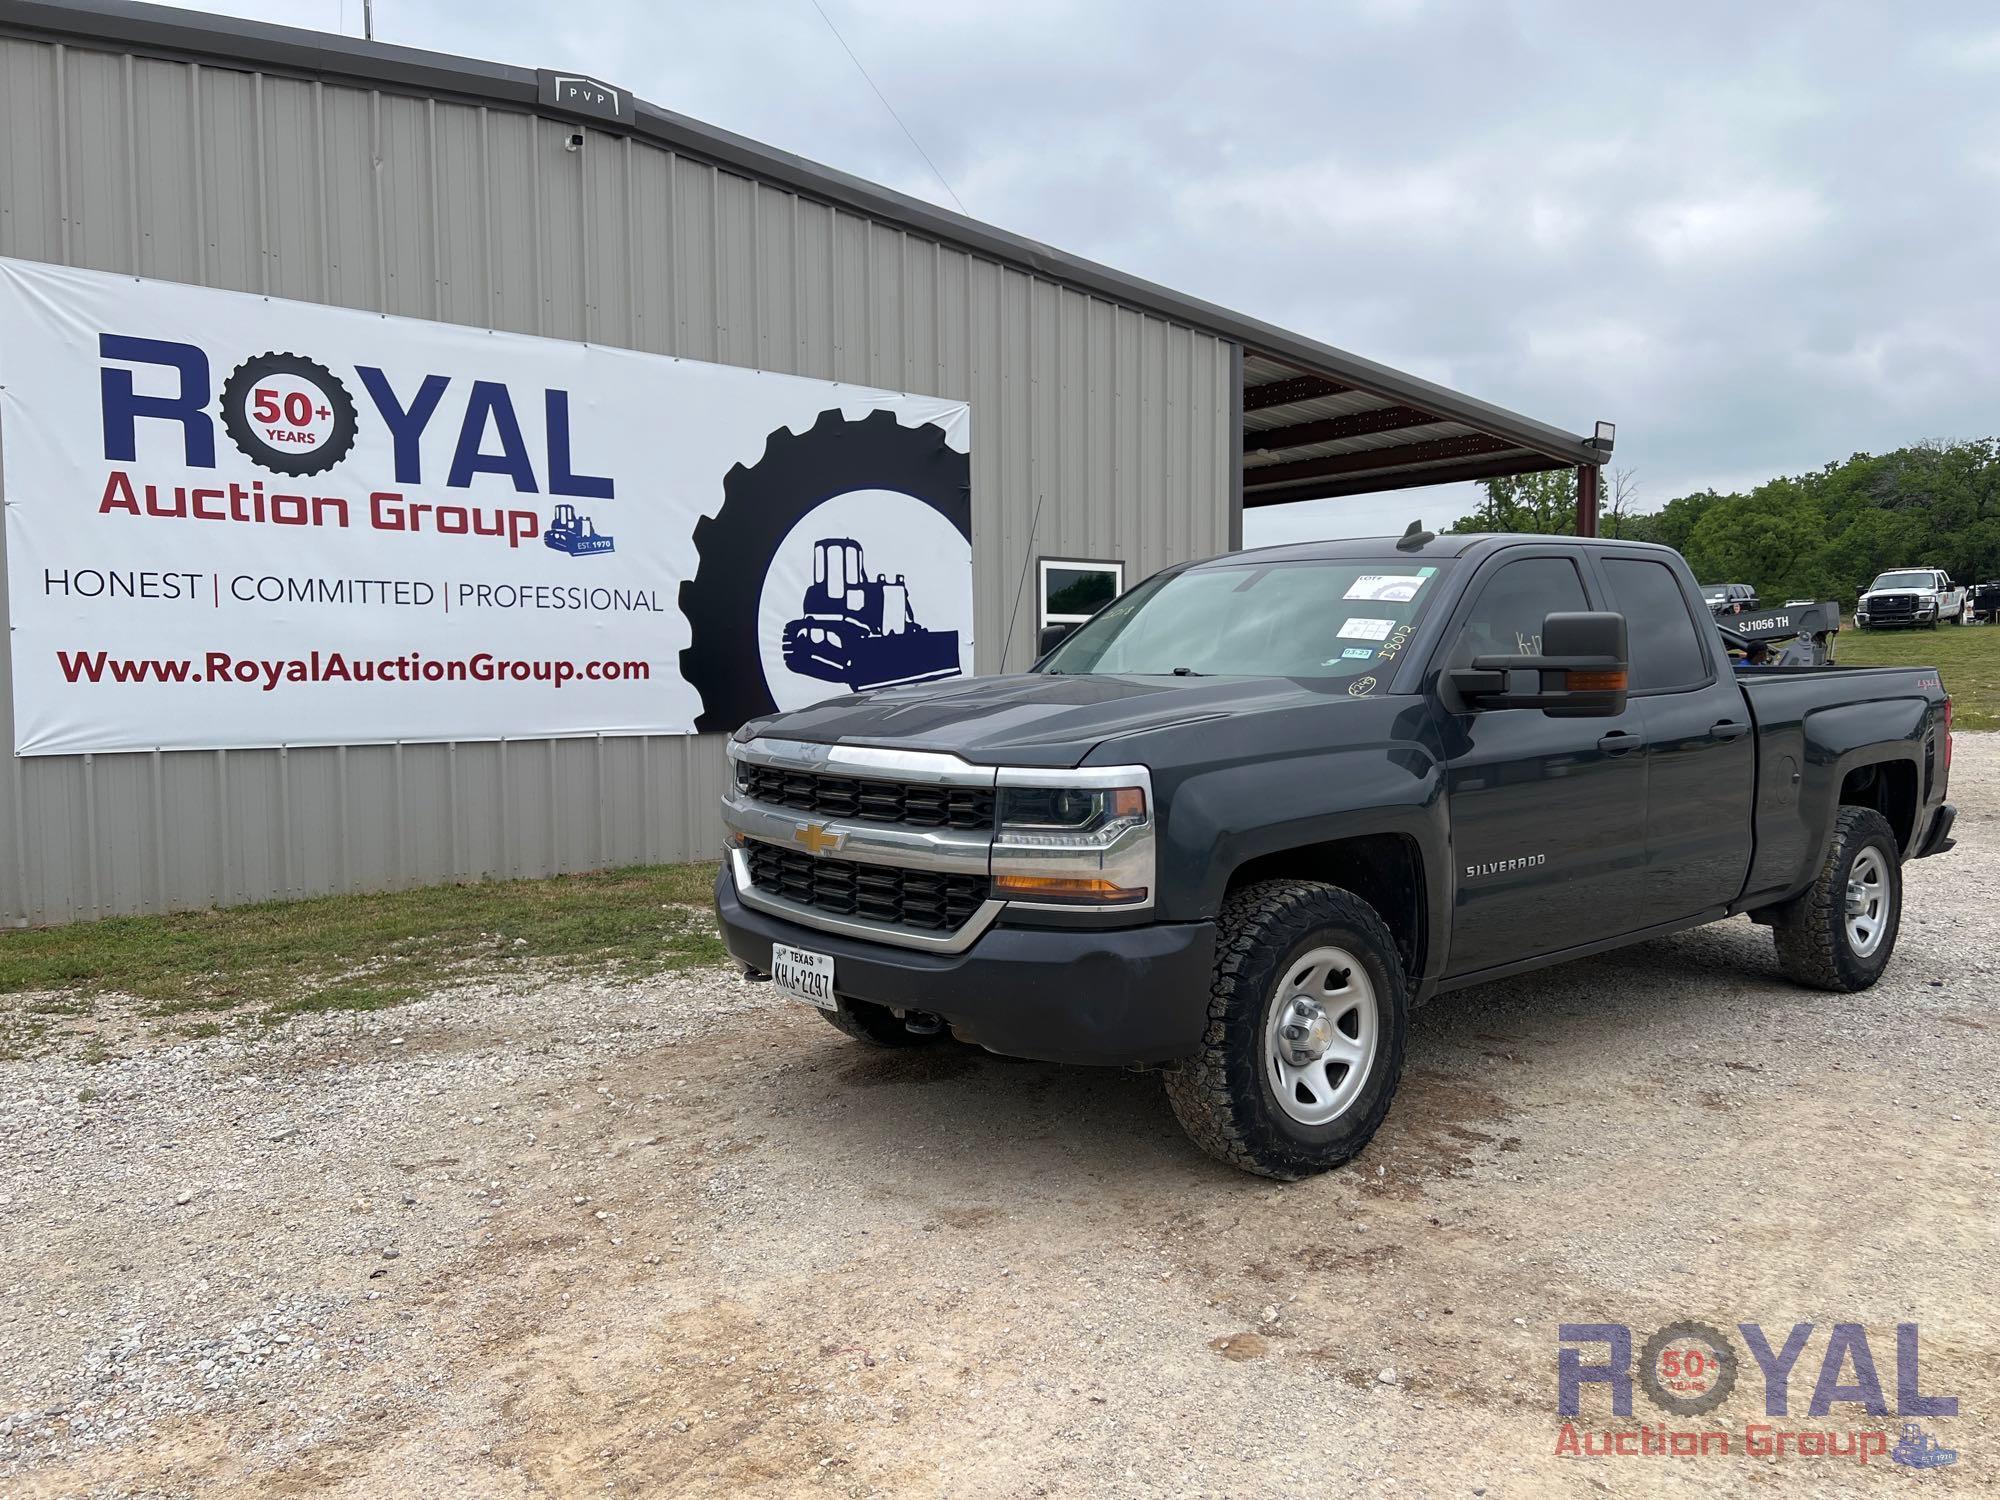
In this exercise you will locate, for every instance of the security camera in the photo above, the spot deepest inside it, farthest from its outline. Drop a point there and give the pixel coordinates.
(575, 141)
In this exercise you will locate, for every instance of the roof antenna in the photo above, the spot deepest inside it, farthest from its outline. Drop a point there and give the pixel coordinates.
(1414, 539)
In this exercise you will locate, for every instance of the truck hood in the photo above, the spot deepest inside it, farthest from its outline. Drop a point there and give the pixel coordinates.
(1036, 718)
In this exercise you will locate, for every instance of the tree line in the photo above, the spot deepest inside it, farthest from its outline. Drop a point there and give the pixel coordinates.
(1822, 535)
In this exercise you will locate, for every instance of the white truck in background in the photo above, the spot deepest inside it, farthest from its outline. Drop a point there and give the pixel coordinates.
(1910, 596)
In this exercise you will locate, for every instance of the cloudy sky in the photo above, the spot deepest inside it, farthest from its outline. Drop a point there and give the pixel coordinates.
(1758, 237)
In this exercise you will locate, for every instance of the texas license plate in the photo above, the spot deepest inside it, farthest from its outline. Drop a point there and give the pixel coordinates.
(803, 974)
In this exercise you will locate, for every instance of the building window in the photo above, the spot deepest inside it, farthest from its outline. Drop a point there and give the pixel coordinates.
(1074, 589)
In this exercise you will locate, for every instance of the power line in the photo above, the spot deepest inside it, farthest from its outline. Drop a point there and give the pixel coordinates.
(887, 105)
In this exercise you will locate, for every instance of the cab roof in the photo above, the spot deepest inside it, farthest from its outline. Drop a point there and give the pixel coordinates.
(1447, 545)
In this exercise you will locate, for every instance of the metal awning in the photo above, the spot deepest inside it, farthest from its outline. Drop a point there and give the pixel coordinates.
(1313, 430)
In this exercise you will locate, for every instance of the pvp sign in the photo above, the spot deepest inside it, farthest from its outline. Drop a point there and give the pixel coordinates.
(238, 521)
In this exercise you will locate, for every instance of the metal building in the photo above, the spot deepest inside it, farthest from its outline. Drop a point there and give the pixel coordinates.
(1116, 419)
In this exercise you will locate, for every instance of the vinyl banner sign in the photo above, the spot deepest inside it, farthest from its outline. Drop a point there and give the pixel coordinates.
(239, 521)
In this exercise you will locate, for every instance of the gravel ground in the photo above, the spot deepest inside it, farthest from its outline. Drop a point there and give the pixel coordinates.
(681, 1237)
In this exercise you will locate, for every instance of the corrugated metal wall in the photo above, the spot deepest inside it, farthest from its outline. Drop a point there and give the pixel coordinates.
(1116, 422)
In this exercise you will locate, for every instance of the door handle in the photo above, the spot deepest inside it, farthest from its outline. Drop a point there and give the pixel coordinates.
(1727, 729)
(1618, 742)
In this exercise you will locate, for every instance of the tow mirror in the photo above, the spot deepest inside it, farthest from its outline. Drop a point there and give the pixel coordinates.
(1581, 673)
(1053, 636)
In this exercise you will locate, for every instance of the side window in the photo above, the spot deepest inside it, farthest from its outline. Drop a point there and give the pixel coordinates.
(1666, 650)
(1506, 619)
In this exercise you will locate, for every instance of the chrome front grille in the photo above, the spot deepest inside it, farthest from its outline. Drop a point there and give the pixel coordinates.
(826, 795)
(924, 900)
(891, 845)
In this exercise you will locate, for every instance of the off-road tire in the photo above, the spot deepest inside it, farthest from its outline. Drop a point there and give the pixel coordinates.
(877, 1025)
(1222, 1095)
(1811, 929)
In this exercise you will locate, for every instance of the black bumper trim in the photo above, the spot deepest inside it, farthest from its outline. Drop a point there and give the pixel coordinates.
(1117, 996)
(1939, 838)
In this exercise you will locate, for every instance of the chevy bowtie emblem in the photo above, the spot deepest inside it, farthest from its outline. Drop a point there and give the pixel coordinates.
(817, 838)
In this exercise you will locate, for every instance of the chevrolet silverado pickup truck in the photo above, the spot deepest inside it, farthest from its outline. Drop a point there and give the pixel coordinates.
(1243, 820)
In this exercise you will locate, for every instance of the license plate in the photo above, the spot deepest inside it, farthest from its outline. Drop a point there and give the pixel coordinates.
(803, 974)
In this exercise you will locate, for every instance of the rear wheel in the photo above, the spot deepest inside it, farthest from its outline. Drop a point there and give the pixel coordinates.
(1840, 933)
(882, 1027)
(1959, 618)
(1306, 1022)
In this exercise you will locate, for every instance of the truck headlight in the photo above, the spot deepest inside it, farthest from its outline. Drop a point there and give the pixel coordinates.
(1075, 838)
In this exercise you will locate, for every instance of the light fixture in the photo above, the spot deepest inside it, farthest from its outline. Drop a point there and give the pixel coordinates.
(1603, 439)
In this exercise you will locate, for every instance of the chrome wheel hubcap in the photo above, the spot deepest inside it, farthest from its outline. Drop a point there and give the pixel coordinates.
(1868, 902)
(1321, 1036)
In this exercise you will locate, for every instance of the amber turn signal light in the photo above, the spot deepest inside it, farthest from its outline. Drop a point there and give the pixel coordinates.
(1596, 682)
(1065, 888)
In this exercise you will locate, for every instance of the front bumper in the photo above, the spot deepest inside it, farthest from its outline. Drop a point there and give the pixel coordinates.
(1923, 614)
(1079, 995)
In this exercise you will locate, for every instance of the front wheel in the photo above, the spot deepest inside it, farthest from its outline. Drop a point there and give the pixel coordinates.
(1306, 1021)
(1839, 934)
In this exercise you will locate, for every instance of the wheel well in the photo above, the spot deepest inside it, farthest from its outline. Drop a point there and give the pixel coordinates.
(1890, 787)
(1384, 869)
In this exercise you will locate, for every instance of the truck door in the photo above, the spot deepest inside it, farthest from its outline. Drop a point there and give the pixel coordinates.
(1699, 743)
(1951, 600)
(1548, 815)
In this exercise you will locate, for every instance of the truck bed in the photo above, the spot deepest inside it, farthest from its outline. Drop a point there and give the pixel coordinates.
(1806, 719)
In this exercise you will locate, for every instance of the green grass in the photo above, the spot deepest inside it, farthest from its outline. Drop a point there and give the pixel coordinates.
(357, 953)
(1966, 656)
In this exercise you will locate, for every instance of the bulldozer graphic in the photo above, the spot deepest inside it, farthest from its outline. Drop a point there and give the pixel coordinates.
(861, 631)
(1917, 1449)
(574, 534)
(742, 659)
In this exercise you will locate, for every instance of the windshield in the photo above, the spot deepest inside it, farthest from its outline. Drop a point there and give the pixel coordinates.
(1910, 580)
(1277, 619)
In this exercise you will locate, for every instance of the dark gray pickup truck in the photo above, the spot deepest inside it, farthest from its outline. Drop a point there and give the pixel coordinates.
(1245, 818)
